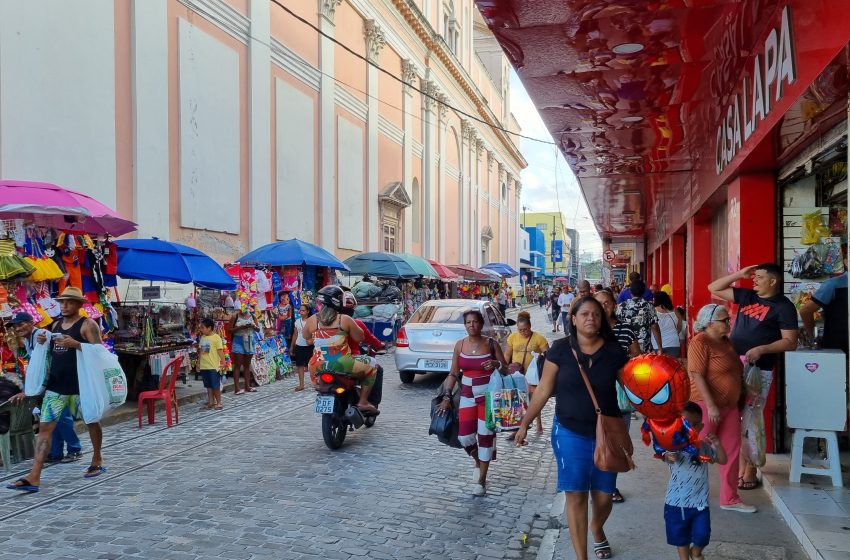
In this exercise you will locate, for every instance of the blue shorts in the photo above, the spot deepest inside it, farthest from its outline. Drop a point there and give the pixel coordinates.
(243, 344)
(687, 526)
(212, 379)
(576, 470)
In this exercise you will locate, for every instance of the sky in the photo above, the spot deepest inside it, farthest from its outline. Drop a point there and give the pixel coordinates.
(548, 169)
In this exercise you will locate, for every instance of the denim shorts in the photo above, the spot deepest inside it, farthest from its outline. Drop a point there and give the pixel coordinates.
(212, 379)
(243, 344)
(576, 470)
(687, 526)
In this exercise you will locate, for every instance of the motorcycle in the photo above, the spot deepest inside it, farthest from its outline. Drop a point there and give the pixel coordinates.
(338, 395)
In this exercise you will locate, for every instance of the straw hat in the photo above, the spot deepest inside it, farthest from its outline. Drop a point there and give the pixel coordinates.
(73, 294)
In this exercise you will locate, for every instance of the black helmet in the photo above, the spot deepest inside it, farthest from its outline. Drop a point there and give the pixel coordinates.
(331, 296)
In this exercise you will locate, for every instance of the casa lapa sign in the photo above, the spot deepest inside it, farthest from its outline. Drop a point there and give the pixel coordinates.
(760, 89)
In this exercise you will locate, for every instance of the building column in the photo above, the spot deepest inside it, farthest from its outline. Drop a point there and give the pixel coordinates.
(664, 271)
(677, 268)
(749, 198)
(327, 124)
(408, 75)
(463, 185)
(443, 123)
(260, 165)
(475, 232)
(427, 185)
(698, 266)
(375, 40)
(150, 118)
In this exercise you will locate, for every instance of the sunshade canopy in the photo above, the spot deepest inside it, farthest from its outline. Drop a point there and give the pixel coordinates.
(420, 265)
(292, 252)
(164, 261)
(501, 268)
(53, 206)
(382, 265)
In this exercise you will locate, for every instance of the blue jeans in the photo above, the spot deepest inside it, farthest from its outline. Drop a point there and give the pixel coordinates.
(65, 434)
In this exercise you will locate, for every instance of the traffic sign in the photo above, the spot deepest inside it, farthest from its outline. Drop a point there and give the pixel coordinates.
(609, 255)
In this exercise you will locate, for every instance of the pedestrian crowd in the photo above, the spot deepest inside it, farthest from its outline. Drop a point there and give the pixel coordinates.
(604, 328)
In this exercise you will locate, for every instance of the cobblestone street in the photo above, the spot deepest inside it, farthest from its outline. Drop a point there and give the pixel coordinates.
(256, 481)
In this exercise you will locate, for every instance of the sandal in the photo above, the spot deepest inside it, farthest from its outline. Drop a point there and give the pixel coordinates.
(219, 407)
(240, 392)
(297, 389)
(206, 407)
(23, 485)
(94, 470)
(616, 497)
(748, 484)
(602, 550)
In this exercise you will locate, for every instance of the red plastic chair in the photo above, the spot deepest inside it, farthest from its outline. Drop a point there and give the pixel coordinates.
(165, 393)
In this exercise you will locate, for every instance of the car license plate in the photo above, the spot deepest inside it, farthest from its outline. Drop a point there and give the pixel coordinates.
(324, 404)
(435, 365)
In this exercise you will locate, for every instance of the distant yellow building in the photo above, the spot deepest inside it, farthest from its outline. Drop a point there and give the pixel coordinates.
(554, 227)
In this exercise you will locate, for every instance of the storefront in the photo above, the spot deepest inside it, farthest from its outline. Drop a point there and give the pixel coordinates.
(686, 125)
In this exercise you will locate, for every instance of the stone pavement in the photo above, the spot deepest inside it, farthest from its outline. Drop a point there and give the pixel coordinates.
(256, 481)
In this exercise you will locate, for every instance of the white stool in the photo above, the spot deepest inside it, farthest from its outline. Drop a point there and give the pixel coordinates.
(833, 468)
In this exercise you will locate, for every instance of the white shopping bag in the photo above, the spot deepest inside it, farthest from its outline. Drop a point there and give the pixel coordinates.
(532, 375)
(36, 372)
(103, 384)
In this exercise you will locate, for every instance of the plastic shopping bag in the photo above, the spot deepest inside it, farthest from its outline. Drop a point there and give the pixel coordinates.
(753, 439)
(813, 228)
(506, 401)
(36, 373)
(103, 384)
(532, 373)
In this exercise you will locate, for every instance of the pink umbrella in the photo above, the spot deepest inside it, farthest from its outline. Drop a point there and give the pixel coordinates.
(51, 205)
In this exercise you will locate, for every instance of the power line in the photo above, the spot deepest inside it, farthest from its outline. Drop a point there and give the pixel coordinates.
(401, 81)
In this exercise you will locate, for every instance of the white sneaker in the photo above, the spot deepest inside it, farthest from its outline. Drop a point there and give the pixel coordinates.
(478, 489)
(740, 507)
(476, 475)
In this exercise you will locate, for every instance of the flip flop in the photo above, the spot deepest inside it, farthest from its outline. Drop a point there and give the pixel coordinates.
(94, 470)
(23, 485)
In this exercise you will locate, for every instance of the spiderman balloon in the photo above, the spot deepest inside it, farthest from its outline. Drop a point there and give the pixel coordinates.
(659, 388)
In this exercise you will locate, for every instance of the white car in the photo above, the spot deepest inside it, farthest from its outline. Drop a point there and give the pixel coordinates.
(426, 342)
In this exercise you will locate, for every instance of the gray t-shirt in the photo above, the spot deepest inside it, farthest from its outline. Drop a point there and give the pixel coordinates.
(688, 486)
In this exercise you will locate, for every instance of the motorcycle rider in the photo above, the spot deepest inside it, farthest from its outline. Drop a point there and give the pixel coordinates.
(349, 302)
(329, 331)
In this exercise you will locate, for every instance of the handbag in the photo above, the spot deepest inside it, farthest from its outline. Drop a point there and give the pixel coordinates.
(519, 367)
(445, 427)
(614, 447)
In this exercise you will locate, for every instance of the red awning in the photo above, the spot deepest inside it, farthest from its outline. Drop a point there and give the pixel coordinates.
(469, 273)
(444, 271)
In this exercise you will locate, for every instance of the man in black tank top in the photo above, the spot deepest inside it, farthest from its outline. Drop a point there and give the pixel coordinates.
(63, 388)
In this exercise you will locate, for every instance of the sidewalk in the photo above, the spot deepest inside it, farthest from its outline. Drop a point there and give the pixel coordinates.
(636, 527)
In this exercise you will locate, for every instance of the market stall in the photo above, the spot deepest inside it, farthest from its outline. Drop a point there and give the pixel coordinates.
(475, 283)
(52, 238)
(151, 333)
(390, 291)
(273, 281)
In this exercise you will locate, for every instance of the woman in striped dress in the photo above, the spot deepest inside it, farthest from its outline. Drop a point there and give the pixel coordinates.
(474, 359)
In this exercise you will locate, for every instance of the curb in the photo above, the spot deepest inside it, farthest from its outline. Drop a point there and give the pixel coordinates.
(792, 522)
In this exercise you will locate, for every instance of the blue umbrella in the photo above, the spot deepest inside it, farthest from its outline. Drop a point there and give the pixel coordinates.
(501, 268)
(382, 265)
(292, 252)
(164, 261)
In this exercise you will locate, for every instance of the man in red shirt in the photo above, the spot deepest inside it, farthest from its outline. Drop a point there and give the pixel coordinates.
(349, 302)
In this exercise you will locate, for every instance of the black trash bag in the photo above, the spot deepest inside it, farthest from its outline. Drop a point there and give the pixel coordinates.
(390, 293)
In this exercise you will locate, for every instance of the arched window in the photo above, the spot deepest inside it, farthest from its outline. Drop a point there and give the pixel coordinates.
(451, 29)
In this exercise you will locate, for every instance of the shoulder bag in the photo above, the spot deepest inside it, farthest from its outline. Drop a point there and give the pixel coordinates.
(613, 444)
